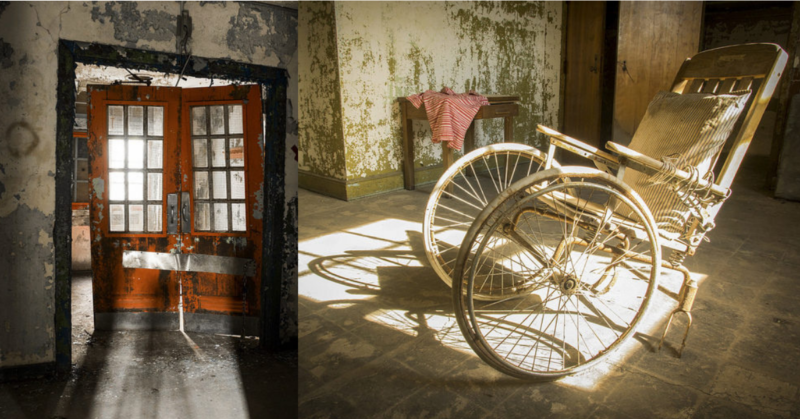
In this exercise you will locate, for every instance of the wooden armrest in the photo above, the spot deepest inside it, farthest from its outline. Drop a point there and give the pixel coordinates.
(579, 147)
(650, 166)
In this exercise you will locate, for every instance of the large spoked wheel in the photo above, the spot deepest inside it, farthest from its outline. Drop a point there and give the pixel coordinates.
(464, 190)
(588, 272)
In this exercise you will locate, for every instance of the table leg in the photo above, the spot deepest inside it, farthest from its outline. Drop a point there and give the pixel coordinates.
(447, 155)
(469, 143)
(447, 161)
(469, 138)
(508, 124)
(408, 148)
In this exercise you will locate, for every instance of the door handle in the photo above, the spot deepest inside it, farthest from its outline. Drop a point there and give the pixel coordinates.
(186, 226)
(593, 68)
(172, 209)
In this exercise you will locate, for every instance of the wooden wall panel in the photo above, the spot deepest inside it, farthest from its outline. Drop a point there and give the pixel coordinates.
(654, 39)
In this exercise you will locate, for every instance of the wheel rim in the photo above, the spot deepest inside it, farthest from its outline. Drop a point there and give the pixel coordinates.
(580, 304)
(463, 192)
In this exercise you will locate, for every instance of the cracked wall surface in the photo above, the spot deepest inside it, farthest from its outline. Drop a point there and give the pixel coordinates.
(29, 33)
(386, 50)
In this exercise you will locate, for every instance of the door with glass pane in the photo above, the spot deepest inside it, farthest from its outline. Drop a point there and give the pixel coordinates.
(176, 177)
(134, 163)
(223, 172)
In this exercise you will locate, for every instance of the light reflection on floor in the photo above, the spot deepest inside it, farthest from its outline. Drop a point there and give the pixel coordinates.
(344, 269)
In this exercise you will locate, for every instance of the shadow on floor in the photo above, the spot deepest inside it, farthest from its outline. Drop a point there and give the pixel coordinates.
(155, 374)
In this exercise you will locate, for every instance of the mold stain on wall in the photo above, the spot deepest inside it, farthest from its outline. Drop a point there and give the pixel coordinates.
(394, 49)
(132, 26)
(321, 136)
(256, 30)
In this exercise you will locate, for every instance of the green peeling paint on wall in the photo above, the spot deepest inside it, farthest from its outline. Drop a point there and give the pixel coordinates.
(386, 50)
(320, 109)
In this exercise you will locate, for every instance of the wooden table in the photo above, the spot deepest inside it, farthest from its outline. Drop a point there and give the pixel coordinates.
(500, 106)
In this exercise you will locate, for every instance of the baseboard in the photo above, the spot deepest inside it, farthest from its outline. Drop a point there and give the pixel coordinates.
(428, 174)
(357, 188)
(374, 185)
(324, 185)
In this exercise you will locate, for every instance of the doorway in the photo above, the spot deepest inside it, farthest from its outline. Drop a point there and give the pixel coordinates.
(272, 83)
(176, 233)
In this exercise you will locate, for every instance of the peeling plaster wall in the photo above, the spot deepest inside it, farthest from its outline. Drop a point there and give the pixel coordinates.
(387, 50)
(29, 33)
(321, 137)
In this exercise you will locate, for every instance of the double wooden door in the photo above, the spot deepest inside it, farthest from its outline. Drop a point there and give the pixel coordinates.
(651, 41)
(176, 207)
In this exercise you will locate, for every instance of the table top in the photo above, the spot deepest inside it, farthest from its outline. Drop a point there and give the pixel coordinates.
(493, 99)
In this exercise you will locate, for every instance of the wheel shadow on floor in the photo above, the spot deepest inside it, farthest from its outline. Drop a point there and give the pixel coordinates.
(403, 293)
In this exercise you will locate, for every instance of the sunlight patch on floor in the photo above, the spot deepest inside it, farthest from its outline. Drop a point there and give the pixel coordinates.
(347, 267)
(343, 266)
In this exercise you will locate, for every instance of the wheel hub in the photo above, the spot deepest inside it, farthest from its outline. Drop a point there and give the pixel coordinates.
(567, 283)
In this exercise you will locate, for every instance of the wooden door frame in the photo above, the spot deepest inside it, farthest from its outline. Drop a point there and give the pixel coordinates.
(273, 81)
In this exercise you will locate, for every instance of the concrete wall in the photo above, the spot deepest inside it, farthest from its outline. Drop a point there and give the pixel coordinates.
(29, 33)
(393, 49)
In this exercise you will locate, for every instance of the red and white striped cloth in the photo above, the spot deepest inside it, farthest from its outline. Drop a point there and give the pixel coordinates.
(449, 113)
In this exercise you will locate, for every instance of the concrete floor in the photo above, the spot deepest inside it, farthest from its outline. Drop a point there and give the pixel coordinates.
(378, 337)
(156, 375)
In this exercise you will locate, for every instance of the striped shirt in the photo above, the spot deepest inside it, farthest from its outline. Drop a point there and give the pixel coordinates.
(449, 113)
